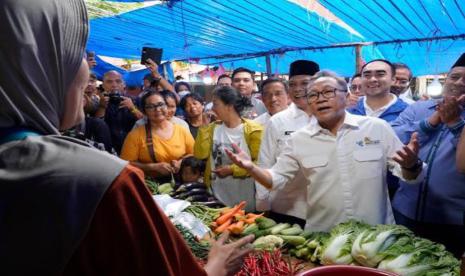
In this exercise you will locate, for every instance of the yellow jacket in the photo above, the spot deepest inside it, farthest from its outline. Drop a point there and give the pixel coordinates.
(204, 142)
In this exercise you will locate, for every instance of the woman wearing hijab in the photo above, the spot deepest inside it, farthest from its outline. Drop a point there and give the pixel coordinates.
(67, 209)
(158, 146)
(229, 183)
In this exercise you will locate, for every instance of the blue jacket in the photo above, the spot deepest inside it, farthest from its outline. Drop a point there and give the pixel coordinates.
(388, 115)
(443, 198)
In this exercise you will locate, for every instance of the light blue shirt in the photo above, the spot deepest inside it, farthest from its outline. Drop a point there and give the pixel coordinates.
(442, 199)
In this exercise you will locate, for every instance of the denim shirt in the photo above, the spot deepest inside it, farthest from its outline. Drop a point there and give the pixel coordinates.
(441, 197)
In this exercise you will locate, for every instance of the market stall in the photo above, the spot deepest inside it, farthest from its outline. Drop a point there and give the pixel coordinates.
(285, 249)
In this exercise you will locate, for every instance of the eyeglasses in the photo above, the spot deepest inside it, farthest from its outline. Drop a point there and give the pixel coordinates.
(402, 82)
(327, 94)
(155, 106)
(354, 87)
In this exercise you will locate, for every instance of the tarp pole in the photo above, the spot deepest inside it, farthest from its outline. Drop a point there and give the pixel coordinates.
(268, 66)
(358, 58)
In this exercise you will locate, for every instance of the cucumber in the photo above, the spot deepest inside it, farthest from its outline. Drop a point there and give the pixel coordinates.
(306, 234)
(261, 233)
(250, 229)
(302, 253)
(279, 227)
(293, 231)
(293, 240)
(165, 188)
(264, 223)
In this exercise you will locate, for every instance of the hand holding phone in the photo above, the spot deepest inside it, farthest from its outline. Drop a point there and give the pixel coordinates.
(151, 53)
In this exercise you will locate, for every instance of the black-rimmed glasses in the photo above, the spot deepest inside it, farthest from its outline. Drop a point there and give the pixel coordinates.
(327, 94)
(154, 106)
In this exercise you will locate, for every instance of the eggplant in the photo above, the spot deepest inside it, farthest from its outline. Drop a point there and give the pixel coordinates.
(197, 198)
(198, 191)
(189, 186)
(213, 204)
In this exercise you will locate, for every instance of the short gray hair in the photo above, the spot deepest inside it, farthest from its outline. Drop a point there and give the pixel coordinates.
(330, 74)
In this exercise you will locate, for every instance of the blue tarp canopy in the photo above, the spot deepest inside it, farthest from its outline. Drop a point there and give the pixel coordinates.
(425, 34)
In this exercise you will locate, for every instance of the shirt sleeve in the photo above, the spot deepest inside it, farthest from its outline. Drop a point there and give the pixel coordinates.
(130, 235)
(393, 144)
(189, 140)
(266, 159)
(131, 146)
(286, 166)
(406, 124)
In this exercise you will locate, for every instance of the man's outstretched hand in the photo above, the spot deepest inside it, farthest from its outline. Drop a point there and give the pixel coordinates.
(240, 158)
(226, 259)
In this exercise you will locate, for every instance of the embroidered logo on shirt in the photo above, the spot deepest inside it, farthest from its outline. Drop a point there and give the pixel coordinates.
(367, 141)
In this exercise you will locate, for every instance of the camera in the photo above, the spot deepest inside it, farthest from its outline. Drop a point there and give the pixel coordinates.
(115, 98)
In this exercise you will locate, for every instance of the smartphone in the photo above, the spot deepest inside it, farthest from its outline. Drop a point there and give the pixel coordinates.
(152, 53)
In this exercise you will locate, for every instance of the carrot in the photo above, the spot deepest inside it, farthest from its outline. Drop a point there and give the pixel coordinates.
(231, 213)
(237, 227)
(225, 210)
(224, 226)
(250, 218)
(249, 215)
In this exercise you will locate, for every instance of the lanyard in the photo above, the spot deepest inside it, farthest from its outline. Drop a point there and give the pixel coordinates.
(423, 192)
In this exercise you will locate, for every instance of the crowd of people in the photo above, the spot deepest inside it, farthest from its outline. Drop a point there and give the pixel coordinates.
(313, 150)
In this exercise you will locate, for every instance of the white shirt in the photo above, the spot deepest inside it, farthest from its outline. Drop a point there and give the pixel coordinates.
(291, 199)
(208, 106)
(345, 174)
(407, 97)
(376, 113)
(174, 120)
(263, 119)
(230, 190)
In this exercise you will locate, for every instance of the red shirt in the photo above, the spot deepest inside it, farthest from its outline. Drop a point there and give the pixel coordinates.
(130, 235)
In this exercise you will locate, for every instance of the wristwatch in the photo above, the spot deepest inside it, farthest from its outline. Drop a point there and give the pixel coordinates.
(415, 167)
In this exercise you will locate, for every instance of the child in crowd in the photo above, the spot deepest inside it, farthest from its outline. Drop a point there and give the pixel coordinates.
(191, 170)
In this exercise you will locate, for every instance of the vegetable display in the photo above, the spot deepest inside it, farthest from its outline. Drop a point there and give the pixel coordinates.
(268, 263)
(206, 214)
(392, 248)
(200, 249)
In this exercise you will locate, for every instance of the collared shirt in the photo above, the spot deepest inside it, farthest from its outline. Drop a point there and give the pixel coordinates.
(444, 194)
(263, 119)
(388, 113)
(407, 97)
(345, 174)
(376, 113)
(291, 199)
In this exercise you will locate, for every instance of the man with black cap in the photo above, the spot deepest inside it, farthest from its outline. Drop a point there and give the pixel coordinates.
(436, 208)
(290, 203)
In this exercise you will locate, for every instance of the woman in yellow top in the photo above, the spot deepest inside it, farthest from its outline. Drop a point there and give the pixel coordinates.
(168, 142)
(229, 183)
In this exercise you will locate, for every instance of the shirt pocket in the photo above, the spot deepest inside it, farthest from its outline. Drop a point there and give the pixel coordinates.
(369, 162)
(316, 168)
